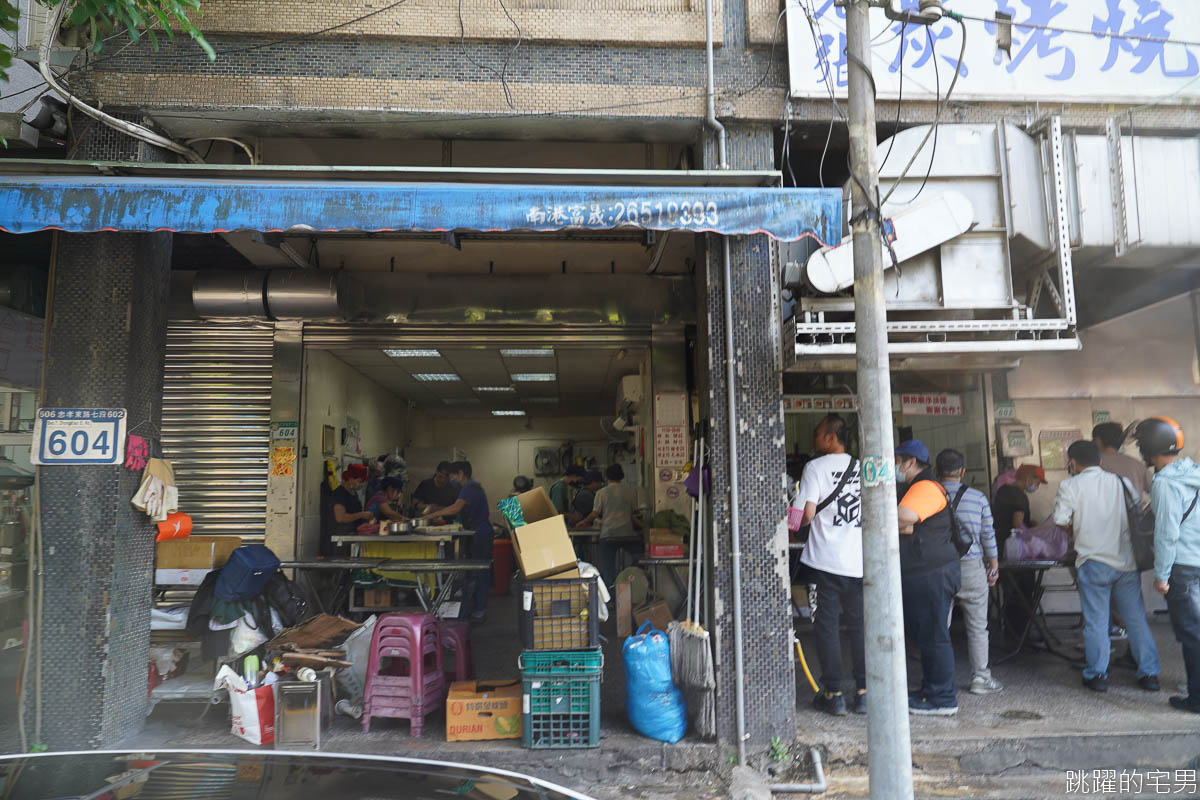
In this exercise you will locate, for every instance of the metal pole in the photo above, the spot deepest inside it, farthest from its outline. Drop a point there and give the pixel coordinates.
(889, 747)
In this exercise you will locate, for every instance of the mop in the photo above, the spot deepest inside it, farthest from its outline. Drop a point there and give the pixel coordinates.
(691, 652)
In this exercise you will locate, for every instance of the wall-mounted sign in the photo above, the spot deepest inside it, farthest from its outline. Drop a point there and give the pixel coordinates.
(1052, 447)
(931, 405)
(1045, 63)
(285, 431)
(1101, 417)
(78, 436)
(671, 446)
(1006, 409)
(823, 403)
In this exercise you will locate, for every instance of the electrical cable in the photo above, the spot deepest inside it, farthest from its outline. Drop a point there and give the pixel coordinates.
(511, 53)
(813, 26)
(1099, 34)
(937, 117)
(899, 99)
(938, 94)
(770, 59)
(462, 45)
(301, 36)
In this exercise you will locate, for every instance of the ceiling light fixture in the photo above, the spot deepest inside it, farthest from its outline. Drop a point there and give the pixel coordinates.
(527, 351)
(495, 388)
(412, 353)
(435, 377)
(533, 377)
(508, 413)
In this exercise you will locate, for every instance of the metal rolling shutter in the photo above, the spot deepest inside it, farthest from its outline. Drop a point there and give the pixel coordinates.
(216, 424)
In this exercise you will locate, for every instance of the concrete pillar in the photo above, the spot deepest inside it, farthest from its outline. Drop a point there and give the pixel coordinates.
(107, 332)
(766, 617)
(106, 337)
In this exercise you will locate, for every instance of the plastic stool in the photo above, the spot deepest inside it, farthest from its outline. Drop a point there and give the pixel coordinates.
(456, 635)
(412, 683)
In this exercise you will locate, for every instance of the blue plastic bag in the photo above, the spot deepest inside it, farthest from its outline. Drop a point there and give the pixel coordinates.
(654, 705)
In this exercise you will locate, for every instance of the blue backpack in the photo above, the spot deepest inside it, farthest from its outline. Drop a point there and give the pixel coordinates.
(246, 573)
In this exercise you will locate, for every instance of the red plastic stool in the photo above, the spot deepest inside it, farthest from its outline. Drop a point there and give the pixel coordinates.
(456, 635)
(404, 670)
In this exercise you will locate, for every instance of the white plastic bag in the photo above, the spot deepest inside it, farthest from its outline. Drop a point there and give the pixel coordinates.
(252, 710)
(247, 634)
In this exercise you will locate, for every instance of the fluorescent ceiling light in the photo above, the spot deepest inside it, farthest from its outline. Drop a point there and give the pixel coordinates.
(435, 377)
(527, 351)
(412, 353)
(495, 388)
(533, 377)
(507, 413)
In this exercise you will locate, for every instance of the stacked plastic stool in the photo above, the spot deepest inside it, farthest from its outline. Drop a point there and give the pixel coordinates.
(456, 636)
(404, 670)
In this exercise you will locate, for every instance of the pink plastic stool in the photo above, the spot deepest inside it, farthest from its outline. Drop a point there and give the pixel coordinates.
(456, 635)
(404, 670)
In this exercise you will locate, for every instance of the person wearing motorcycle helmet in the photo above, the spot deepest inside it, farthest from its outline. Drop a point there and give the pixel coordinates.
(1174, 495)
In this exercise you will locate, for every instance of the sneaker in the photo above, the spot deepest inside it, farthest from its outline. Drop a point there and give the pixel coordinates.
(834, 704)
(982, 685)
(923, 707)
(1097, 684)
(1117, 633)
(1184, 704)
(860, 703)
(1149, 683)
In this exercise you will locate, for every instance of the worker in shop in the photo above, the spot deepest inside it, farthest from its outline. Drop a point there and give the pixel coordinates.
(347, 510)
(436, 492)
(930, 577)
(614, 508)
(561, 489)
(585, 499)
(472, 507)
(1011, 510)
(387, 502)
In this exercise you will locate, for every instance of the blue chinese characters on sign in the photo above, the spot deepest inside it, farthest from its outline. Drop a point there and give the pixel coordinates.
(79, 436)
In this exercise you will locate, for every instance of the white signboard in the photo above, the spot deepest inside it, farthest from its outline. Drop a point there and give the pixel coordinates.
(78, 436)
(931, 405)
(1086, 63)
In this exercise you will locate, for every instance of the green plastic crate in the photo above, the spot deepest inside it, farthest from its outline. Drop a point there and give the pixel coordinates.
(535, 663)
(561, 711)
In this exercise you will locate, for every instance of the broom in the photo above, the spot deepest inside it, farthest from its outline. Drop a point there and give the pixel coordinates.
(691, 652)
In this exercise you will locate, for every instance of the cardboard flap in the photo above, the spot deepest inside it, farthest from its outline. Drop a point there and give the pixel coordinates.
(536, 505)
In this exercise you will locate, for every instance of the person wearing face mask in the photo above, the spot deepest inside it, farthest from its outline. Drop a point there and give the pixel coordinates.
(1010, 509)
(346, 509)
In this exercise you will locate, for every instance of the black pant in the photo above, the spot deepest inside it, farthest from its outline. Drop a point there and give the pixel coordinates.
(839, 599)
(1183, 603)
(928, 596)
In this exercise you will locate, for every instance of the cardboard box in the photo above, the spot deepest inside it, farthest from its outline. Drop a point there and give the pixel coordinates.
(657, 611)
(180, 577)
(479, 710)
(663, 543)
(196, 552)
(377, 598)
(543, 545)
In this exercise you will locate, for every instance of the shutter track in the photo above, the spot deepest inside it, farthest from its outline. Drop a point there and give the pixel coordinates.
(216, 424)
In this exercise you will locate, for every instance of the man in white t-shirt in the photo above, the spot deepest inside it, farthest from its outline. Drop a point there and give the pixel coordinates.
(614, 506)
(830, 495)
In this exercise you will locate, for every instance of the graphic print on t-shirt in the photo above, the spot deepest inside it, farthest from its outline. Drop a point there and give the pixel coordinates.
(849, 503)
(835, 539)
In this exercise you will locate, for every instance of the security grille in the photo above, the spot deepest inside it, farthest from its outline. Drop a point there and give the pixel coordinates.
(216, 424)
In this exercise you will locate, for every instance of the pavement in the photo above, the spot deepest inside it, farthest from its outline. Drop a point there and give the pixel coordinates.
(1022, 742)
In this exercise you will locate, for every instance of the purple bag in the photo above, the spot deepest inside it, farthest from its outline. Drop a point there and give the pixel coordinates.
(692, 484)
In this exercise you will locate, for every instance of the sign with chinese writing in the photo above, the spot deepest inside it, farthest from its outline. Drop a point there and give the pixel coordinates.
(931, 405)
(1052, 447)
(670, 446)
(78, 436)
(1077, 51)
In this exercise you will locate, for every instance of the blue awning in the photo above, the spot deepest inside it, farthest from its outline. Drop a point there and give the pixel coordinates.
(85, 204)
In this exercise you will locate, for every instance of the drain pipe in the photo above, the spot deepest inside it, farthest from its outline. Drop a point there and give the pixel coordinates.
(818, 787)
(735, 544)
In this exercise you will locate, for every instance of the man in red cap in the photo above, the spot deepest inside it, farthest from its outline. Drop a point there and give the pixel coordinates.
(347, 510)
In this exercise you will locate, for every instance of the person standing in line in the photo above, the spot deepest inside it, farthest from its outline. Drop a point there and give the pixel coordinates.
(1109, 436)
(472, 506)
(1175, 497)
(614, 508)
(560, 490)
(980, 566)
(930, 577)
(1091, 505)
(831, 497)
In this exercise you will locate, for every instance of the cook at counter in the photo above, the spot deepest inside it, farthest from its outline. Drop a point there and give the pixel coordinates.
(346, 509)
(472, 506)
(436, 492)
(385, 504)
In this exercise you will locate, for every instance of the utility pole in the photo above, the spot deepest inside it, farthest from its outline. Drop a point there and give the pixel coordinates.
(889, 748)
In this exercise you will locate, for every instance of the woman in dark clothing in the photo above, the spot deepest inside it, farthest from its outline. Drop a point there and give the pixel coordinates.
(386, 502)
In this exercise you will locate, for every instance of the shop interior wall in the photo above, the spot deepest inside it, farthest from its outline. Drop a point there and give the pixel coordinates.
(501, 448)
(966, 434)
(334, 391)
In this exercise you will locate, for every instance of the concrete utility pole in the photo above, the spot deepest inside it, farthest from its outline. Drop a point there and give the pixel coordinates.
(889, 749)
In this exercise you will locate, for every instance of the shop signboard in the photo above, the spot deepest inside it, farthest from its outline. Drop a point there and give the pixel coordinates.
(931, 405)
(78, 436)
(1106, 51)
(822, 403)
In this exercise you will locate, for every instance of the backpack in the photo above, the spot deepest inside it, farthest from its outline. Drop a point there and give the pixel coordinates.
(281, 595)
(1141, 525)
(960, 537)
(245, 573)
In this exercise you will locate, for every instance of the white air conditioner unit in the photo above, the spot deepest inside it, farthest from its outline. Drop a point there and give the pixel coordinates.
(629, 393)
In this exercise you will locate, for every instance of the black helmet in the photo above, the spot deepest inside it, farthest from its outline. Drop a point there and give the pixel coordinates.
(522, 484)
(1158, 436)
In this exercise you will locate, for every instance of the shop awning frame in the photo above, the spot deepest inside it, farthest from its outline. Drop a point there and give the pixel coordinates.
(111, 196)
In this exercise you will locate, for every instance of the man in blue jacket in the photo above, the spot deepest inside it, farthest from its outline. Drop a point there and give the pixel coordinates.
(1174, 494)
